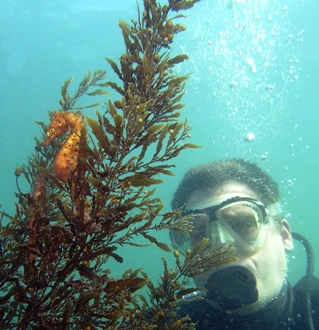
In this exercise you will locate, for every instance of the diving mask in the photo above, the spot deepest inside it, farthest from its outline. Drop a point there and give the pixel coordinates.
(241, 221)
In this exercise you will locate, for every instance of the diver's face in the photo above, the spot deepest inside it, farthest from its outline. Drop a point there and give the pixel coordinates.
(268, 263)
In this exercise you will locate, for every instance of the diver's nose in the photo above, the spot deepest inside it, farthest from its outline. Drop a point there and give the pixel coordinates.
(218, 236)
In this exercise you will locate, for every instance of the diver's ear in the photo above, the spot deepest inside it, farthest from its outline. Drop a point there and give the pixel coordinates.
(286, 236)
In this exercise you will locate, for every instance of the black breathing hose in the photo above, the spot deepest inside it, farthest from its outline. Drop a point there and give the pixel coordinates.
(309, 252)
(309, 272)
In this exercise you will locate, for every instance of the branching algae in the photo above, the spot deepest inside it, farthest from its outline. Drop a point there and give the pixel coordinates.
(88, 196)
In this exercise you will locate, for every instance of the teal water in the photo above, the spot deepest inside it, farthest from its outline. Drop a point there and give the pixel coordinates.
(255, 69)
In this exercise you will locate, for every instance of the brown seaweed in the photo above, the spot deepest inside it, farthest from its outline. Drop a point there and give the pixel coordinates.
(87, 195)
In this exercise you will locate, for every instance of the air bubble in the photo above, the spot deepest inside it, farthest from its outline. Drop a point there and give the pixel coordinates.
(249, 137)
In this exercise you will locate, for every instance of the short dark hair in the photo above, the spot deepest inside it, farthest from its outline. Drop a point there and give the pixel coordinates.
(212, 175)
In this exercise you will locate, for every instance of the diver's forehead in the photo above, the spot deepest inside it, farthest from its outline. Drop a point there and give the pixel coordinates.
(222, 192)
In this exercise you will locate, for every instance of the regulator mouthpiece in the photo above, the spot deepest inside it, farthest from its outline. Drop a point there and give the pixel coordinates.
(232, 287)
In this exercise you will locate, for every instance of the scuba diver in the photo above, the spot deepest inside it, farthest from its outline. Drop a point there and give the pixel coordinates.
(235, 202)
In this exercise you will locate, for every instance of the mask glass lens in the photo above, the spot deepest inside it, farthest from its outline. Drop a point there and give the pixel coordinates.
(200, 226)
(244, 219)
(238, 222)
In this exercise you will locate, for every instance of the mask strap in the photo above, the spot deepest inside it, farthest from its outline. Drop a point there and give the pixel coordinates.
(274, 209)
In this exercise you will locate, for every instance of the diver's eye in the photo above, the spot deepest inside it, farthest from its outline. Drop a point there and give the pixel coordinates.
(244, 227)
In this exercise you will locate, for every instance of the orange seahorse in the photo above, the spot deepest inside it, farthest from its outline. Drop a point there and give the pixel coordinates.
(65, 161)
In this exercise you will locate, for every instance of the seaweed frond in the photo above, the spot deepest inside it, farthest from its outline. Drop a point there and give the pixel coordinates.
(91, 191)
(175, 284)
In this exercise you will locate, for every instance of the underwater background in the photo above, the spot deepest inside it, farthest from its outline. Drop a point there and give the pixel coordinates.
(253, 93)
